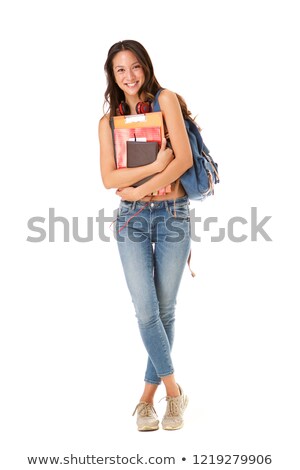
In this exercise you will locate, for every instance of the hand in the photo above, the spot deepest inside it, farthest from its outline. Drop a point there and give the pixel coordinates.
(129, 194)
(164, 156)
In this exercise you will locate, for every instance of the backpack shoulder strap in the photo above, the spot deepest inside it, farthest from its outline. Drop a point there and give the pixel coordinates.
(156, 106)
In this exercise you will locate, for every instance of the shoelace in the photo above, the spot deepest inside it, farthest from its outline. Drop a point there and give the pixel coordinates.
(146, 409)
(172, 406)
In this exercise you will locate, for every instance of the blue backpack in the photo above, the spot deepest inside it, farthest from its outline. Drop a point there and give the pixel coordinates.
(199, 180)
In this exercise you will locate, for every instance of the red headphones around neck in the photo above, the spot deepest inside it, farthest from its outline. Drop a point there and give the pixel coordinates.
(141, 108)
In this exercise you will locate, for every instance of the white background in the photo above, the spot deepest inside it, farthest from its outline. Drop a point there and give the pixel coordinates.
(72, 360)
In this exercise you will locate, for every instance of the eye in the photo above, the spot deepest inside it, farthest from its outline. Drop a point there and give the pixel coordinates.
(137, 66)
(120, 70)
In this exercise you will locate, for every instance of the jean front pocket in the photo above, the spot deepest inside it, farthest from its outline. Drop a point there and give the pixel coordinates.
(180, 211)
(125, 208)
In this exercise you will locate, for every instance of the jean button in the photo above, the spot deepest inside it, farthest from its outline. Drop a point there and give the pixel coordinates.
(152, 204)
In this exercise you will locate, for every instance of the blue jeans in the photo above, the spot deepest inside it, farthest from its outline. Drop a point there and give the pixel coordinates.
(154, 245)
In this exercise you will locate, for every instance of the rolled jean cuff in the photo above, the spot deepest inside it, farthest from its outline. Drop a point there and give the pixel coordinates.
(166, 375)
(153, 381)
(150, 381)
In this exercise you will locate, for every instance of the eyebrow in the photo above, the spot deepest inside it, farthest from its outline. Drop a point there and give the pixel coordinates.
(137, 62)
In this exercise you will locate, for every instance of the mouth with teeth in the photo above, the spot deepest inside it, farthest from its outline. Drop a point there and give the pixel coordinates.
(132, 85)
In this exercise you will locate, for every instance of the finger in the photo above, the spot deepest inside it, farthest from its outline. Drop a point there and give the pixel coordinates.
(170, 154)
(163, 144)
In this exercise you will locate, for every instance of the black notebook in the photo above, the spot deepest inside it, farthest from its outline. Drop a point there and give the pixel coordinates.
(140, 154)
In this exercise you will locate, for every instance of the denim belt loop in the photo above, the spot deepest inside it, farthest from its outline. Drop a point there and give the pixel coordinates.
(133, 205)
(167, 206)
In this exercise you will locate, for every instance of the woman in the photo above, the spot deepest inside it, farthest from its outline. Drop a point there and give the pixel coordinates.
(153, 262)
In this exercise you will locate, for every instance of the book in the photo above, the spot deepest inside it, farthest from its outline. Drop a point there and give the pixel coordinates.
(122, 136)
(139, 154)
(148, 127)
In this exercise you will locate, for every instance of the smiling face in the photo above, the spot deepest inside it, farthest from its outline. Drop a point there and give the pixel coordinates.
(128, 72)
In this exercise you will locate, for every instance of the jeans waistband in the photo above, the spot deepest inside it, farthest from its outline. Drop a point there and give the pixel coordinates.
(156, 204)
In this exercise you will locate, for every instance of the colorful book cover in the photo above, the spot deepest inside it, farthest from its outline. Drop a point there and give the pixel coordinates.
(121, 136)
(147, 127)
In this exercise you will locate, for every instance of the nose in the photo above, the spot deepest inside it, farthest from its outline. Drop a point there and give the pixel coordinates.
(129, 74)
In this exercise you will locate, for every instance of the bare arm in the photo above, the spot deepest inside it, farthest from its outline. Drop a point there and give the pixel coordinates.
(183, 160)
(123, 177)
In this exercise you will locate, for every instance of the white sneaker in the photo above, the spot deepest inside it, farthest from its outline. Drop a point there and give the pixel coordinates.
(146, 417)
(173, 418)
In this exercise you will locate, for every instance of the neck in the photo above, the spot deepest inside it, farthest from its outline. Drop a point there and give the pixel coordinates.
(132, 101)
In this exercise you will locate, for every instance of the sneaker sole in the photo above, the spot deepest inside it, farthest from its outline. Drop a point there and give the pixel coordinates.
(169, 428)
(148, 428)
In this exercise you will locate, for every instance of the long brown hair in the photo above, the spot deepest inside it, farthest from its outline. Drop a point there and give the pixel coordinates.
(114, 95)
